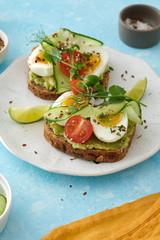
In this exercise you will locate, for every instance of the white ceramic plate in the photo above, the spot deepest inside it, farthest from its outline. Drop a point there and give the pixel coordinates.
(13, 87)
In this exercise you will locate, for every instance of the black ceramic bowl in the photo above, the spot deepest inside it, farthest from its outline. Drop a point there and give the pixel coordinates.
(135, 36)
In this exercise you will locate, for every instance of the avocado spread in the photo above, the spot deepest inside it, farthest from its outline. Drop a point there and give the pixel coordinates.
(47, 82)
(94, 142)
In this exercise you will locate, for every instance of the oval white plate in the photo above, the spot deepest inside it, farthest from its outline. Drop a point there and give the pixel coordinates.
(13, 87)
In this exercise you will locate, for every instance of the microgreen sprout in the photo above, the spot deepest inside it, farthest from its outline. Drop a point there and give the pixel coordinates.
(114, 95)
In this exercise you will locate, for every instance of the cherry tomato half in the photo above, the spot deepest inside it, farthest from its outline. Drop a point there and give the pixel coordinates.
(66, 57)
(78, 129)
(75, 88)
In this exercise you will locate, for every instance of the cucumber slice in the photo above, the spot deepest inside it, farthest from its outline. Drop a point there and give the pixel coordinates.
(112, 109)
(132, 115)
(62, 81)
(57, 114)
(68, 38)
(86, 111)
(136, 107)
(62, 113)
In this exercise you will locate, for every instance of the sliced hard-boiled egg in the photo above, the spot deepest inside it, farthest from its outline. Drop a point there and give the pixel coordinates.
(69, 99)
(97, 63)
(110, 128)
(38, 64)
(66, 99)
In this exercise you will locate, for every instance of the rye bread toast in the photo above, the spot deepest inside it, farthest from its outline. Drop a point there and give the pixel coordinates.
(44, 93)
(97, 155)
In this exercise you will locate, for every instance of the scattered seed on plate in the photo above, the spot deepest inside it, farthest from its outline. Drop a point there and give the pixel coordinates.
(139, 136)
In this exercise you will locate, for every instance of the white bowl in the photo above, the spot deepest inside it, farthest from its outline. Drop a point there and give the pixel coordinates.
(5, 190)
(4, 50)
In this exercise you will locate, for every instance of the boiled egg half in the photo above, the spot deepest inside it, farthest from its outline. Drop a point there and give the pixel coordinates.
(97, 63)
(68, 99)
(110, 128)
(38, 64)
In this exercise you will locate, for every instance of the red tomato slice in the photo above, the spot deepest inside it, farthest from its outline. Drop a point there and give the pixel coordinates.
(75, 88)
(78, 129)
(66, 57)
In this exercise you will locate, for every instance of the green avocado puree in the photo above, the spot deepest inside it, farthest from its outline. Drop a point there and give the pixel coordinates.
(94, 142)
(47, 82)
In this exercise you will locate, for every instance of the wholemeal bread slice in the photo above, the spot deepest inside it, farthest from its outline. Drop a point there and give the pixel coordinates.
(41, 91)
(97, 155)
(44, 93)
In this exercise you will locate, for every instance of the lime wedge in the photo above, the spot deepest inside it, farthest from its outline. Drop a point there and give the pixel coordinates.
(3, 202)
(28, 114)
(138, 90)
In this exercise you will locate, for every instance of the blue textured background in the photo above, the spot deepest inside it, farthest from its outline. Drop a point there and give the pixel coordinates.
(43, 200)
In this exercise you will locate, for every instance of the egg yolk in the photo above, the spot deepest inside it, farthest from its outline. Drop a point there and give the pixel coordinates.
(70, 100)
(110, 120)
(39, 58)
(92, 63)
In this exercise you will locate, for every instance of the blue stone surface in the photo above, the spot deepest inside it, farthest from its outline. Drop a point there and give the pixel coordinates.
(44, 200)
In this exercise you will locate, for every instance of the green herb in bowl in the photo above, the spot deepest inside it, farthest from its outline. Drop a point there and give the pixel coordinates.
(3, 202)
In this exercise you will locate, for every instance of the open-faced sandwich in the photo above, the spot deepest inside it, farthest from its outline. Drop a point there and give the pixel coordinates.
(92, 123)
(62, 56)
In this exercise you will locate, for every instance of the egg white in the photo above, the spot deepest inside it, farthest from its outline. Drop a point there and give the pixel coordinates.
(105, 134)
(41, 69)
(101, 68)
(58, 102)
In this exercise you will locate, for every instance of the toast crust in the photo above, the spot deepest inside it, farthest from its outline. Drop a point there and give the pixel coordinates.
(44, 93)
(97, 155)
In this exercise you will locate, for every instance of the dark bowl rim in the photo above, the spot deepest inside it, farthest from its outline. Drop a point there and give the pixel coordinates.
(138, 5)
